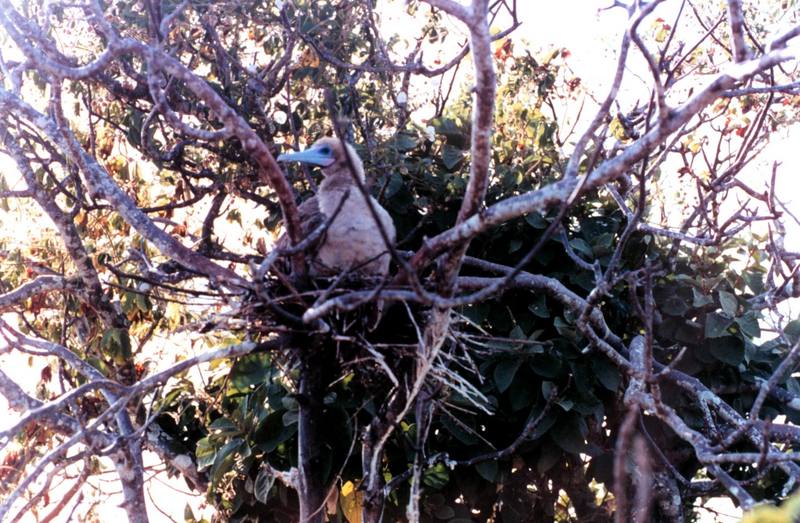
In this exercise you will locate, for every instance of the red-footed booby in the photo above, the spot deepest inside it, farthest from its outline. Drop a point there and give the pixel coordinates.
(353, 241)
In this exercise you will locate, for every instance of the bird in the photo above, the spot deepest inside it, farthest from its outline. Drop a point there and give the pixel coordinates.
(353, 242)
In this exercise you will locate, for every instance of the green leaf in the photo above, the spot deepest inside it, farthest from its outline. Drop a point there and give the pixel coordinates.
(717, 325)
(727, 349)
(271, 432)
(568, 434)
(548, 388)
(263, 484)
(536, 220)
(223, 427)
(792, 330)
(488, 470)
(393, 186)
(517, 333)
(728, 303)
(142, 303)
(565, 403)
(538, 306)
(504, 373)
(188, 514)
(602, 243)
(234, 216)
(581, 247)
(549, 455)
(748, 322)
(522, 393)
(444, 512)
(755, 280)
(289, 418)
(405, 141)
(436, 477)
(249, 370)
(459, 432)
(450, 130)
(224, 459)
(116, 343)
(674, 306)
(607, 374)
(451, 156)
(4, 188)
(565, 329)
(699, 299)
(205, 452)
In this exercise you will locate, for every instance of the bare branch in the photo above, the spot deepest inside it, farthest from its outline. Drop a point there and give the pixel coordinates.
(736, 21)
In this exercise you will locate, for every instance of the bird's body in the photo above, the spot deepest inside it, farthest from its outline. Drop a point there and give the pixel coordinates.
(353, 242)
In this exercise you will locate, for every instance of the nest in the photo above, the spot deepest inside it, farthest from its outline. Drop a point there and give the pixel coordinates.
(375, 341)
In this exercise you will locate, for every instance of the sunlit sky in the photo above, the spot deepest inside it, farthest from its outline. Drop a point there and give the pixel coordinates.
(592, 38)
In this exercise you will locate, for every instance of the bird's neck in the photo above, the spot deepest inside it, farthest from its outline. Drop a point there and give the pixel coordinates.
(338, 182)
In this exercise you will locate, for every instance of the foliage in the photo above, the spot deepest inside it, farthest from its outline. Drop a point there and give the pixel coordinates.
(522, 414)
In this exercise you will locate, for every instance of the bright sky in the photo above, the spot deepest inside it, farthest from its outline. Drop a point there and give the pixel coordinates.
(592, 38)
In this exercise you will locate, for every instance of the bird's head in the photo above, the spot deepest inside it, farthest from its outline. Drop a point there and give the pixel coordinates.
(329, 154)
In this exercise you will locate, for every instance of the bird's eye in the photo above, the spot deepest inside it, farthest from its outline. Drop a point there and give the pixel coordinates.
(325, 150)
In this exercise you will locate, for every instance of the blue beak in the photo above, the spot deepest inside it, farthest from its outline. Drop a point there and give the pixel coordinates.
(313, 156)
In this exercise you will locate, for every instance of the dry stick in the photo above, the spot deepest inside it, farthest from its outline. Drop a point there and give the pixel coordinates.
(59, 453)
(422, 415)
(59, 466)
(65, 499)
(125, 393)
(73, 243)
(128, 461)
(415, 68)
(53, 407)
(19, 401)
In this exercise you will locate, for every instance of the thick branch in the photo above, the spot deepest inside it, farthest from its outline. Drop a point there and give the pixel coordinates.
(736, 21)
(102, 185)
(558, 192)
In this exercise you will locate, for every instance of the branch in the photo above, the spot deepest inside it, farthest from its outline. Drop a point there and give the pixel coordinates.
(736, 21)
(237, 126)
(101, 185)
(787, 365)
(41, 285)
(476, 19)
(558, 192)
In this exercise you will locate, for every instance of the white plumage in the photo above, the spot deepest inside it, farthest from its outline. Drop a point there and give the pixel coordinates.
(353, 241)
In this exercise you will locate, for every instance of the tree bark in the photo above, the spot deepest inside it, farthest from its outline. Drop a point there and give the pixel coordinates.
(314, 368)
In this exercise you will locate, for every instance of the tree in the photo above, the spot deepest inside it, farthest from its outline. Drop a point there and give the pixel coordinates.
(552, 344)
